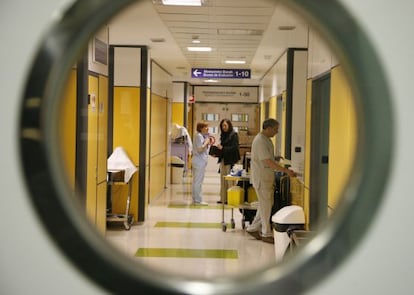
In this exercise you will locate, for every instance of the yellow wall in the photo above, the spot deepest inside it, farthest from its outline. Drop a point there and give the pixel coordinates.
(102, 150)
(272, 114)
(306, 176)
(282, 130)
(101, 205)
(158, 147)
(262, 114)
(102, 129)
(148, 148)
(342, 135)
(177, 113)
(68, 128)
(126, 122)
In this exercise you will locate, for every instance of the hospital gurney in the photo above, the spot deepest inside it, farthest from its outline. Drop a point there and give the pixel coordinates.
(120, 171)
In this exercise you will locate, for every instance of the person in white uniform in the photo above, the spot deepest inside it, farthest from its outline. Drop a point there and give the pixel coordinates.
(263, 166)
(199, 161)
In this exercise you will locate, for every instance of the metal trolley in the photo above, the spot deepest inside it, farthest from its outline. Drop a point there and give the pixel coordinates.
(120, 172)
(115, 177)
(244, 206)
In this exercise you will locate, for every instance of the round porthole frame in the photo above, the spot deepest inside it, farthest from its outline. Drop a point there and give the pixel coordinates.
(85, 247)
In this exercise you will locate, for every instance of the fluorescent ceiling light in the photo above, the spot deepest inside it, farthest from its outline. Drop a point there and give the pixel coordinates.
(211, 81)
(196, 41)
(182, 2)
(199, 48)
(235, 62)
(240, 32)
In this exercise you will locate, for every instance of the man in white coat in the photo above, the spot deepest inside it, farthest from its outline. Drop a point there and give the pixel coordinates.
(263, 166)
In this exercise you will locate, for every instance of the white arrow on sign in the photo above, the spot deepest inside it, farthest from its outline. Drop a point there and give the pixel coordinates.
(196, 72)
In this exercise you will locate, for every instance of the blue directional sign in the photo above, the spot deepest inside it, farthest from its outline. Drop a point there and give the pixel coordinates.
(206, 73)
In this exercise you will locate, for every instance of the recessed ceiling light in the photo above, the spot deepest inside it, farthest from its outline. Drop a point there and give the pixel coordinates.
(235, 62)
(199, 48)
(239, 32)
(183, 2)
(211, 81)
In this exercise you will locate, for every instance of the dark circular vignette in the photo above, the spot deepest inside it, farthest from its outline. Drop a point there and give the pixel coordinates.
(81, 245)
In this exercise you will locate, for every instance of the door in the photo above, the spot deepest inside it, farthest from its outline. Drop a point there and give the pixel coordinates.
(97, 151)
(319, 162)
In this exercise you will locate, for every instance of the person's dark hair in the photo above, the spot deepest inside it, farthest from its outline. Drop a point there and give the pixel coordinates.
(200, 126)
(269, 123)
(228, 123)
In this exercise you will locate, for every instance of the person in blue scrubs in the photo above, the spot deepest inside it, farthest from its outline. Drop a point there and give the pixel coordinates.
(201, 145)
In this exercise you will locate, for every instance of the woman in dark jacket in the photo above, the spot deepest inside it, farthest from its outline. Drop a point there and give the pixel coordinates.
(230, 154)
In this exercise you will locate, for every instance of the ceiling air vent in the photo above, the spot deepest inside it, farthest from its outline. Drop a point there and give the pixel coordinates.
(157, 40)
(286, 28)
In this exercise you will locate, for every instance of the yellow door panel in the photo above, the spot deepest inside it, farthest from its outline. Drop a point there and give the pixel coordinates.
(67, 128)
(102, 129)
(92, 148)
(101, 207)
(342, 135)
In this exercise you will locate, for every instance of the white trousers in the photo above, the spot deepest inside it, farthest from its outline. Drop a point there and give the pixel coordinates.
(261, 222)
(199, 171)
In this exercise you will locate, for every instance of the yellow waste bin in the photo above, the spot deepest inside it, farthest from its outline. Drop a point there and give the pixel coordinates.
(235, 196)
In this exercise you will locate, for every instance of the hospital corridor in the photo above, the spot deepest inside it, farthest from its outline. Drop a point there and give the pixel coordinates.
(185, 239)
(128, 107)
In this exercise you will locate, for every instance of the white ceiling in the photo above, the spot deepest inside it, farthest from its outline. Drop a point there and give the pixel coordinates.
(235, 29)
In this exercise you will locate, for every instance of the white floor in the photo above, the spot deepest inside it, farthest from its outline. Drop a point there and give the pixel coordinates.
(252, 254)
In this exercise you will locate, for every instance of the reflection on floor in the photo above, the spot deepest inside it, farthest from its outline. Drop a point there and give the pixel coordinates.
(188, 240)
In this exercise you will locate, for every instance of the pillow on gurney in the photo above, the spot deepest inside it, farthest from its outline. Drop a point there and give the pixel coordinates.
(119, 161)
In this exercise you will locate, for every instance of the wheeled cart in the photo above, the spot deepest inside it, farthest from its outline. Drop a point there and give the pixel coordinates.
(126, 218)
(242, 208)
(282, 198)
(120, 171)
(242, 204)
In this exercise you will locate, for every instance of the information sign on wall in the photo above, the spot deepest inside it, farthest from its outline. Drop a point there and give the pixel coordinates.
(226, 94)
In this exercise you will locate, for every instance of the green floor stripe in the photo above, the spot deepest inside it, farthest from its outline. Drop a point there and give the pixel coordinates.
(204, 193)
(187, 253)
(188, 224)
(179, 206)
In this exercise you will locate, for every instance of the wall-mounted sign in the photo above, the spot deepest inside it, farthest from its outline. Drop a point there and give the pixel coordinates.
(205, 73)
(100, 52)
(226, 93)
